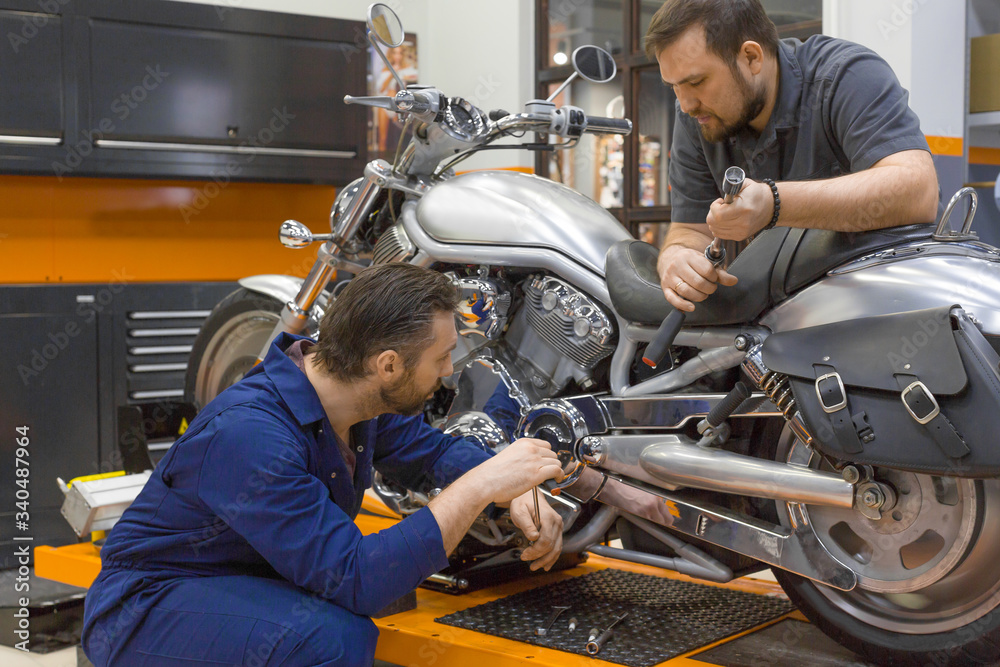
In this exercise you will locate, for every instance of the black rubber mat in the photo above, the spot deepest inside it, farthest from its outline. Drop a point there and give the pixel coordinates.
(666, 617)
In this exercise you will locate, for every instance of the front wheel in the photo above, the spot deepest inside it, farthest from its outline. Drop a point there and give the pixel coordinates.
(227, 346)
(928, 588)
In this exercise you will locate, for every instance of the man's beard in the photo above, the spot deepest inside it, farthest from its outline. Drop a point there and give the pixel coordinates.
(753, 104)
(403, 399)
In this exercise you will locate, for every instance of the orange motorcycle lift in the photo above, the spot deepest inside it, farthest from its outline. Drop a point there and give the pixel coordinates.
(415, 637)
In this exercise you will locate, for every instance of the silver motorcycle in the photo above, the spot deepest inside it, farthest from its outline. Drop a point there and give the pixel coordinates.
(858, 460)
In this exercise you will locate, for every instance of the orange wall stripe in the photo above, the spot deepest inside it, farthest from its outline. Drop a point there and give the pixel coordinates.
(86, 230)
(980, 155)
(945, 145)
(522, 170)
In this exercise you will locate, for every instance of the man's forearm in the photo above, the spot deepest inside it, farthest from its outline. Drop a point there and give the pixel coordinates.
(456, 508)
(883, 196)
(688, 235)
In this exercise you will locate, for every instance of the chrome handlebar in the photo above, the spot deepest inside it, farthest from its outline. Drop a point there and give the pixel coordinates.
(568, 122)
(430, 107)
(602, 125)
(423, 104)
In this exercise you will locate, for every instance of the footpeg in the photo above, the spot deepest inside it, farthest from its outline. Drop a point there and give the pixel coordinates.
(713, 428)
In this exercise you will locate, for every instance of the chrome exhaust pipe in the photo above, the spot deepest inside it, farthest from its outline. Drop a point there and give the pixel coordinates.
(671, 461)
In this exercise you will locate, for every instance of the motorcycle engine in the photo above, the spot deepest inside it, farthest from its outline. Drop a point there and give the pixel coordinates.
(559, 334)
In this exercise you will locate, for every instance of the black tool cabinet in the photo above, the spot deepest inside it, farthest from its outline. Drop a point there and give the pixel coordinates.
(160, 89)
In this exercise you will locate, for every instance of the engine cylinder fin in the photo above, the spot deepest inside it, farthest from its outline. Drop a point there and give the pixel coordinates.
(556, 309)
(393, 246)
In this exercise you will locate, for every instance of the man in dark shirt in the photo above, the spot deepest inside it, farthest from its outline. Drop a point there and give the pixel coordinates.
(826, 120)
(242, 549)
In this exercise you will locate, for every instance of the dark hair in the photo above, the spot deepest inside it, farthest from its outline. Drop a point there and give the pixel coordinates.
(385, 307)
(728, 24)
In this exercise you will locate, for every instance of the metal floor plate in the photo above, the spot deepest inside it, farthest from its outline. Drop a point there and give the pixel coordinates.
(787, 642)
(666, 617)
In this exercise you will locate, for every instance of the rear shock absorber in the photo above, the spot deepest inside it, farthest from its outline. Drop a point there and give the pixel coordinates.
(778, 388)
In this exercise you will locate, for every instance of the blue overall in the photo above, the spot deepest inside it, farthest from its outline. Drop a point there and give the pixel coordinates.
(242, 550)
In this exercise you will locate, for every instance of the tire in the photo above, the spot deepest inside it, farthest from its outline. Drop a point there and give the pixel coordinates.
(228, 344)
(927, 601)
(977, 643)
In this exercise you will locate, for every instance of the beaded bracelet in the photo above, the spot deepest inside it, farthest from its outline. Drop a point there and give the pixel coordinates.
(777, 203)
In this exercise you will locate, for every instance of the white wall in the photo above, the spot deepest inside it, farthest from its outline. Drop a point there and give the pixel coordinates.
(881, 25)
(938, 92)
(481, 50)
(924, 43)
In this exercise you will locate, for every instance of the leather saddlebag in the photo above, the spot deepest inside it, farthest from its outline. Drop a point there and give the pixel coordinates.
(918, 390)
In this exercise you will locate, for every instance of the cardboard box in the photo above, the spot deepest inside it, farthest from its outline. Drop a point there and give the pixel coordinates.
(984, 74)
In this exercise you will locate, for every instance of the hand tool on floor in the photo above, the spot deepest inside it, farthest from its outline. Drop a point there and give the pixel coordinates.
(595, 645)
(556, 611)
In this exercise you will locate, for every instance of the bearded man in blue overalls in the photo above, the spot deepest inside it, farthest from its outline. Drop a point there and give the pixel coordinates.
(242, 548)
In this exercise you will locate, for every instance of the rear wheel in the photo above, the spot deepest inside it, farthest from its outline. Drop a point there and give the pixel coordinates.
(929, 583)
(228, 344)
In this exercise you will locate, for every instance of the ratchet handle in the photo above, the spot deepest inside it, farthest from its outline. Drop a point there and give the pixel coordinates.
(732, 183)
(716, 254)
(664, 338)
(595, 645)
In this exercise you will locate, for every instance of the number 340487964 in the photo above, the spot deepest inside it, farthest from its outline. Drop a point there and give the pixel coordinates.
(22, 473)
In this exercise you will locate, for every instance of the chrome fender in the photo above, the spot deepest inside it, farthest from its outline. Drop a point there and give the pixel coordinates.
(283, 288)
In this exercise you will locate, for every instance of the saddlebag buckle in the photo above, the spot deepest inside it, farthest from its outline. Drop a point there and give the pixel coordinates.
(834, 393)
(918, 398)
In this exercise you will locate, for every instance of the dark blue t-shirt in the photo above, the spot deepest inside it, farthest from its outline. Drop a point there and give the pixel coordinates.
(840, 109)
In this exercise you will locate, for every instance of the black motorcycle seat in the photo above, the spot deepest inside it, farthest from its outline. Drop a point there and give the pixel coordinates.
(778, 263)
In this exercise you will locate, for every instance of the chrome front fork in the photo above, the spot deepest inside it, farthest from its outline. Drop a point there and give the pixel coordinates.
(295, 315)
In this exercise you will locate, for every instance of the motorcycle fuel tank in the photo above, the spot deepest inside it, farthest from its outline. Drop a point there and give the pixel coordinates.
(513, 209)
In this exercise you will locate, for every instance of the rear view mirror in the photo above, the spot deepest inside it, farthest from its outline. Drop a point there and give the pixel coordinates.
(594, 64)
(591, 63)
(385, 25)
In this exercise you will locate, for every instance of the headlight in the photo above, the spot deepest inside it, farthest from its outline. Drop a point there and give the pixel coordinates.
(343, 200)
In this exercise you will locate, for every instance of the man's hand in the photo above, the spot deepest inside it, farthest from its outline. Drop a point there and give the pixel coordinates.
(687, 276)
(547, 542)
(522, 465)
(749, 213)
